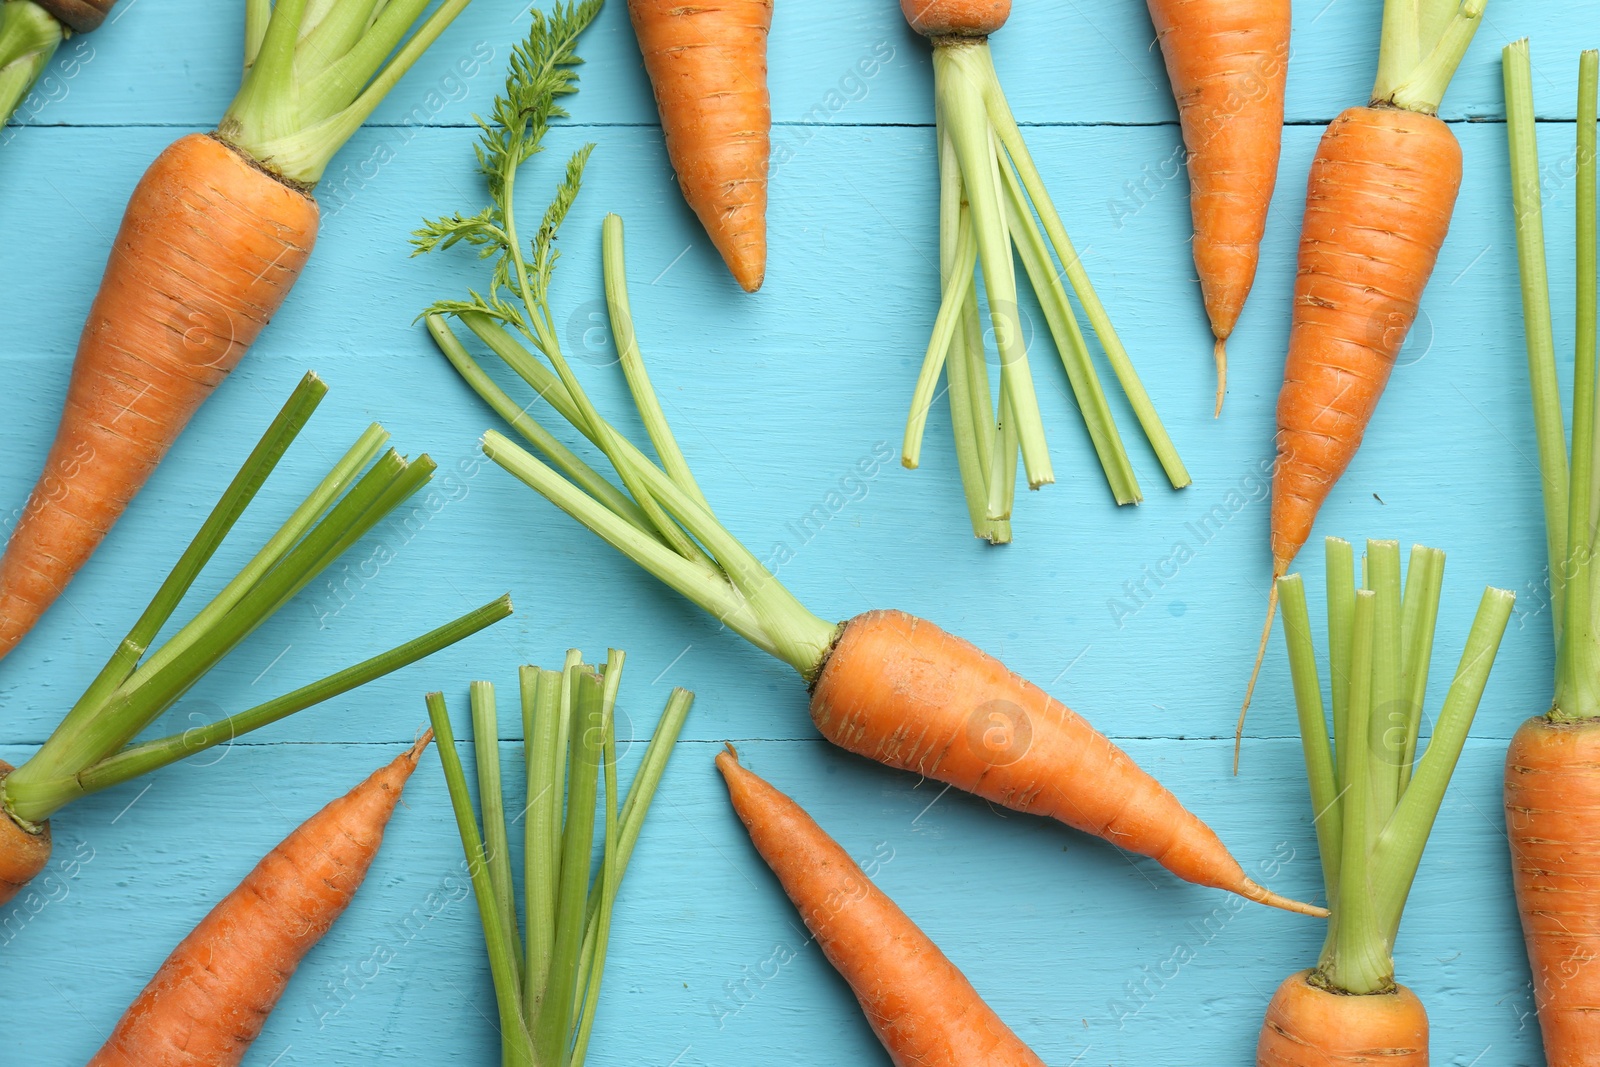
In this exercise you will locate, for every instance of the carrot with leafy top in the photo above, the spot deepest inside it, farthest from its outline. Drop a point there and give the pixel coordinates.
(211, 997)
(214, 237)
(1379, 198)
(919, 1004)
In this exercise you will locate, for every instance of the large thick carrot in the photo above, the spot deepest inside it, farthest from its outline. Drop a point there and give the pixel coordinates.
(1228, 62)
(211, 997)
(214, 236)
(90, 750)
(708, 66)
(1552, 770)
(919, 1004)
(1379, 198)
(1374, 795)
(884, 681)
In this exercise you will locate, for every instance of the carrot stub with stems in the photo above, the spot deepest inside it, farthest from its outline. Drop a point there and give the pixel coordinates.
(214, 237)
(208, 1001)
(1379, 198)
(874, 676)
(919, 1004)
(94, 747)
(1551, 785)
(1374, 795)
(547, 979)
(993, 202)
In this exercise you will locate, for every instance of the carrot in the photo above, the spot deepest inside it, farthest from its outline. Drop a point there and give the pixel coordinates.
(919, 1004)
(1373, 794)
(1379, 198)
(211, 997)
(30, 33)
(90, 750)
(1228, 63)
(215, 234)
(1552, 769)
(926, 685)
(1309, 1026)
(708, 66)
(994, 207)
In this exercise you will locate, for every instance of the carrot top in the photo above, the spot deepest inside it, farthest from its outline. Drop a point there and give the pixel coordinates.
(29, 36)
(314, 71)
(90, 749)
(547, 984)
(1570, 493)
(1423, 42)
(1373, 798)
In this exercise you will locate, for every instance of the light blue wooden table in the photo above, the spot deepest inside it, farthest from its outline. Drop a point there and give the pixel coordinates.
(1094, 957)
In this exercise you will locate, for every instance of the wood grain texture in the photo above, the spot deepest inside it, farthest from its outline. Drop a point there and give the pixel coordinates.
(1144, 620)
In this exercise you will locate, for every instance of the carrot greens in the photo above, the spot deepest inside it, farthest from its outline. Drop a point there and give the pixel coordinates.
(1374, 799)
(29, 36)
(547, 987)
(1422, 45)
(91, 748)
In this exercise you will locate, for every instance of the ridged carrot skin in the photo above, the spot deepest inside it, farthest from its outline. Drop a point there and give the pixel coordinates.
(919, 1004)
(1311, 1027)
(1378, 203)
(208, 248)
(955, 18)
(211, 997)
(1552, 798)
(23, 855)
(1228, 62)
(708, 66)
(901, 691)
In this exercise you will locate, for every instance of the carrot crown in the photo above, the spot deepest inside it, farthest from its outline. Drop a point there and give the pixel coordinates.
(1373, 798)
(547, 981)
(989, 194)
(1570, 493)
(90, 749)
(29, 36)
(657, 516)
(316, 69)
(1423, 42)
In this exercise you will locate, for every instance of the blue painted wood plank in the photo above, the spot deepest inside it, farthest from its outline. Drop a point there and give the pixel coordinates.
(832, 61)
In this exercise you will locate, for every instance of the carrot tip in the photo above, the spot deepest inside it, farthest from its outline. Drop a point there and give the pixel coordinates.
(420, 744)
(1219, 351)
(1262, 895)
(1261, 654)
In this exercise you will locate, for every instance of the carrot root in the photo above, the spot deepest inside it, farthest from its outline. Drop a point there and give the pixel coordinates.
(901, 691)
(1552, 801)
(1219, 352)
(955, 18)
(1307, 1026)
(208, 249)
(1279, 569)
(23, 853)
(209, 1000)
(919, 1004)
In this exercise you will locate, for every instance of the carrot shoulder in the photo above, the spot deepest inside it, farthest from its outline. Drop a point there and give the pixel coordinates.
(708, 66)
(919, 1004)
(1228, 64)
(211, 997)
(208, 249)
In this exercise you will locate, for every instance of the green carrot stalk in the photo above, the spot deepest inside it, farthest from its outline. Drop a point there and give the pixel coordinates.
(29, 36)
(547, 1008)
(993, 202)
(94, 747)
(1372, 823)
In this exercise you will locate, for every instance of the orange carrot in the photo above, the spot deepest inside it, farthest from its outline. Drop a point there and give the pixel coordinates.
(1379, 198)
(1309, 1026)
(211, 997)
(956, 18)
(23, 853)
(708, 66)
(214, 236)
(919, 1004)
(208, 249)
(1228, 63)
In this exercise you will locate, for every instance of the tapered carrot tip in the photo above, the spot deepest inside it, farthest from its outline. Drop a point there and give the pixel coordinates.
(1220, 352)
(1280, 567)
(1262, 895)
(22, 854)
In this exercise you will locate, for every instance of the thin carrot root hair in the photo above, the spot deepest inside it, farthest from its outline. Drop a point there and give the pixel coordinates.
(1255, 672)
